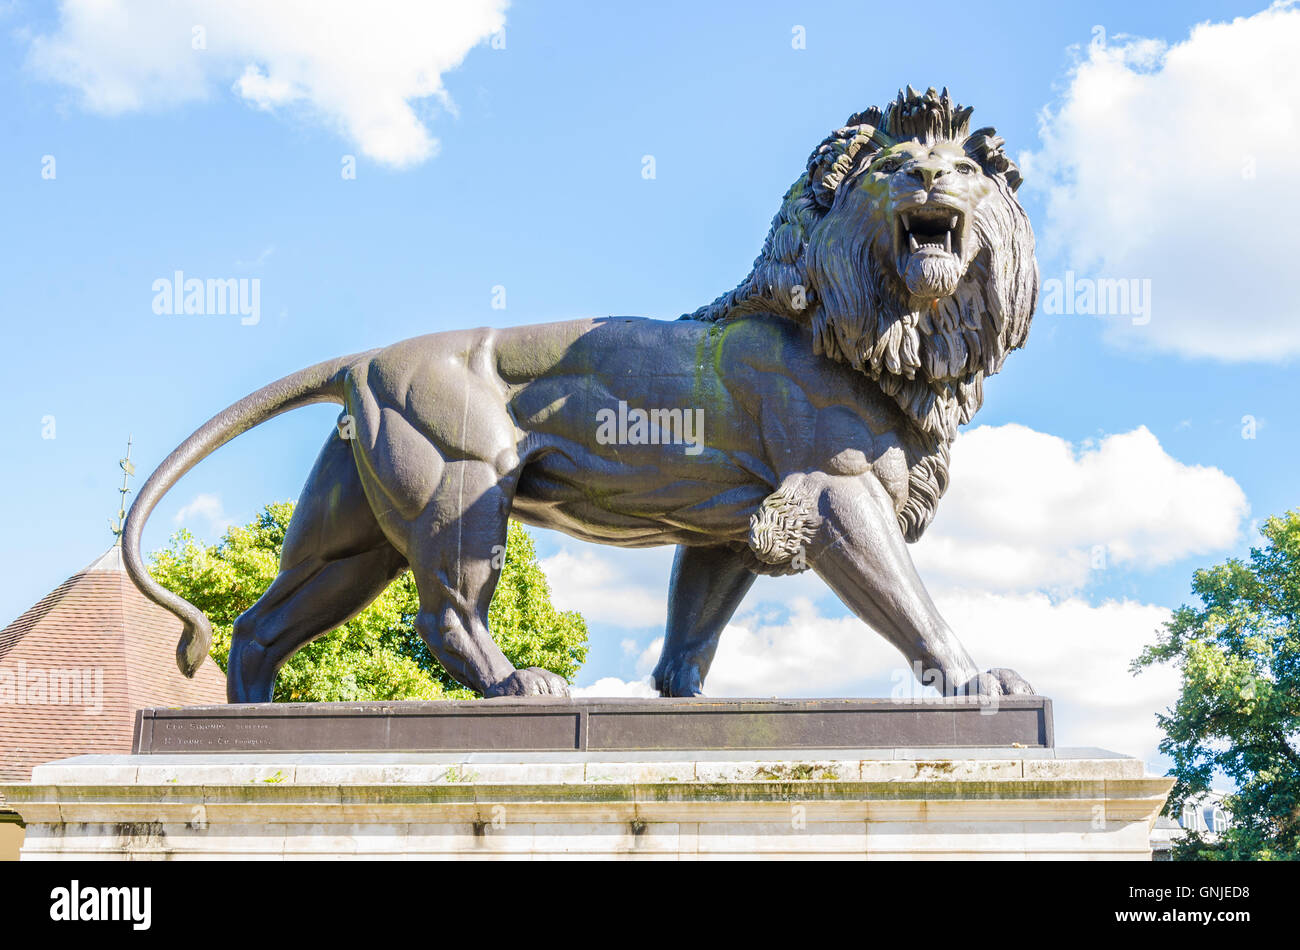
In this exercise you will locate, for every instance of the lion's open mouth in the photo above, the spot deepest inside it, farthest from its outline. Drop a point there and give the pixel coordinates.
(928, 245)
(928, 229)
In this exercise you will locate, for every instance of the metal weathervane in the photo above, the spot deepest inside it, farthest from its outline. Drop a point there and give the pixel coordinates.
(128, 469)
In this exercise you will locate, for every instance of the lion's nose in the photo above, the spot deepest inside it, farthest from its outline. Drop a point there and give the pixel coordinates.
(928, 174)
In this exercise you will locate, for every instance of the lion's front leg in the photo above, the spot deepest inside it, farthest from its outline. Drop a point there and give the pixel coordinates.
(857, 548)
(708, 584)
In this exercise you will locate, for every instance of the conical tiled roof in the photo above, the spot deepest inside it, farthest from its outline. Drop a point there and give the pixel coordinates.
(76, 666)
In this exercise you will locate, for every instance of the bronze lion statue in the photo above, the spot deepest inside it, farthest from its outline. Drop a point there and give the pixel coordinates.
(802, 420)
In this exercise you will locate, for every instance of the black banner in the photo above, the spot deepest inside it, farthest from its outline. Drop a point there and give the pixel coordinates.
(958, 899)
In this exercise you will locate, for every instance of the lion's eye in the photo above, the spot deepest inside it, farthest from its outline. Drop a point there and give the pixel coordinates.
(965, 168)
(890, 165)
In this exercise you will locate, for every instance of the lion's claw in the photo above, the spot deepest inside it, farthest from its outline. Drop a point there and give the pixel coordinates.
(533, 681)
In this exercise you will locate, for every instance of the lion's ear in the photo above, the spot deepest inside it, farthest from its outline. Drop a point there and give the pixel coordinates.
(823, 175)
(986, 147)
(837, 156)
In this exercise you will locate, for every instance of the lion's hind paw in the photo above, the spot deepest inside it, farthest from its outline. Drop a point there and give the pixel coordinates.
(998, 681)
(533, 681)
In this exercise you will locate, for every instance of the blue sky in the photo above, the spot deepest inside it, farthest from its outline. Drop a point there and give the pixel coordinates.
(521, 167)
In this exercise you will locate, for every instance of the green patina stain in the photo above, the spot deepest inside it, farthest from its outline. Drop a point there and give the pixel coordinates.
(707, 387)
(796, 772)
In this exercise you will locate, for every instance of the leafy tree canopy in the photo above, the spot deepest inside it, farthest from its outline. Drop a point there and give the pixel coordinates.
(1238, 713)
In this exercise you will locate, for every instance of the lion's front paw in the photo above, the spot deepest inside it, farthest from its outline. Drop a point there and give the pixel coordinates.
(679, 679)
(997, 682)
(533, 681)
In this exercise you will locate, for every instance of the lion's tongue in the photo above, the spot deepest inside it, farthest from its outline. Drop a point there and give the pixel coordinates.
(931, 274)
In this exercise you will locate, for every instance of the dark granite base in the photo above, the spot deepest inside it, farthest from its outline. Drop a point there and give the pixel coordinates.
(558, 725)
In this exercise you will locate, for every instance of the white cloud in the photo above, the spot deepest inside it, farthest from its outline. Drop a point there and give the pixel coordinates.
(1027, 510)
(363, 69)
(626, 589)
(1078, 654)
(1175, 163)
(207, 507)
(612, 686)
(806, 654)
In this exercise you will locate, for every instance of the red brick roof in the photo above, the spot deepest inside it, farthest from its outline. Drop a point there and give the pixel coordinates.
(77, 665)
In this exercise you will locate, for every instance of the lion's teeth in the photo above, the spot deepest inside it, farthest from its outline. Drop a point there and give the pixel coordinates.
(907, 222)
(952, 222)
(911, 240)
(947, 241)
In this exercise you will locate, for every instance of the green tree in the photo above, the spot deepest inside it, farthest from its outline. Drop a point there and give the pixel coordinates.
(1237, 713)
(376, 655)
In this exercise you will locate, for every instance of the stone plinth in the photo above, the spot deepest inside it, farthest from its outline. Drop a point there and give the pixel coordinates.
(555, 724)
(865, 804)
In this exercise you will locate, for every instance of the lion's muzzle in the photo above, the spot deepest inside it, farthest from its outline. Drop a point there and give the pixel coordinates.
(929, 243)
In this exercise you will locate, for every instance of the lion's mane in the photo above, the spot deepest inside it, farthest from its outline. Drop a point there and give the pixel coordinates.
(818, 267)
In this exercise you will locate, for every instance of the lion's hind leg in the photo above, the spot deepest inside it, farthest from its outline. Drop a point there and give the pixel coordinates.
(439, 459)
(456, 550)
(334, 561)
(302, 603)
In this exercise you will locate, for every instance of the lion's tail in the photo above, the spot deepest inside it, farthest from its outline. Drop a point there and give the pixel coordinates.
(320, 383)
